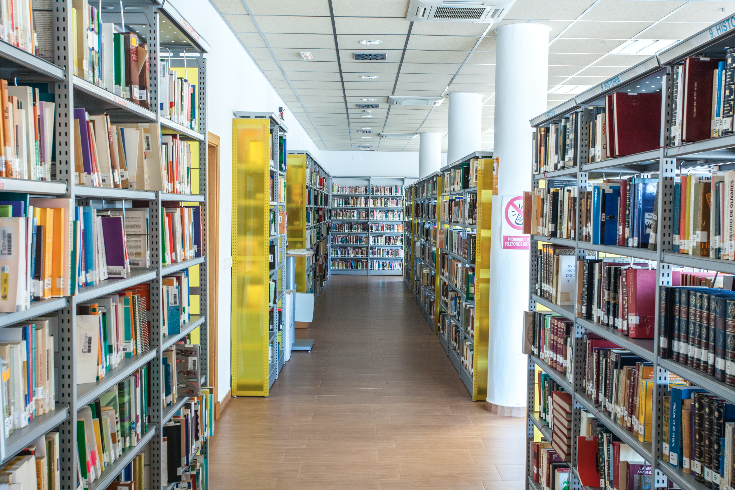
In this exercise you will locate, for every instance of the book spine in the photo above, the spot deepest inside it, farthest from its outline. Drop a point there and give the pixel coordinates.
(719, 314)
(730, 342)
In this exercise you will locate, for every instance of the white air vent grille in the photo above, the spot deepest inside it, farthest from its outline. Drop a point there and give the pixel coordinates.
(458, 13)
(480, 11)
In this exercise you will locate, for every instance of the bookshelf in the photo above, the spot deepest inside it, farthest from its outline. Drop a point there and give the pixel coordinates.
(307, 198)
(448, 210)
(666, 164)
(369, 211)
(259, 192)
(148, 20)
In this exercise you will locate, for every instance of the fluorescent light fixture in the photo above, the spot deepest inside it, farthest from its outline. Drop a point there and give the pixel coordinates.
(398, 136)
(569, 89)
(415, 101)
(306, 55)
(371, 42)
(366, 129)
(369, 100)
(366, 137)
(647, 47)
(366, 116)
(369, 77)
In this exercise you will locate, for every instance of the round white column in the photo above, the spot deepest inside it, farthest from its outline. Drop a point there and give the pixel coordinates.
(465, 120)
(430, 153)
(521, 78)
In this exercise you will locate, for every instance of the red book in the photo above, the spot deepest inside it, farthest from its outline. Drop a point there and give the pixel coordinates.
(641, 302)
(587, 461)
(696, 119)
(562, 400)
(683, 213)
(637, 122)
(609, 124)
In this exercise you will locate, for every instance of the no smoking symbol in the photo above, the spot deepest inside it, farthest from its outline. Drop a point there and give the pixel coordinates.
(514, 213)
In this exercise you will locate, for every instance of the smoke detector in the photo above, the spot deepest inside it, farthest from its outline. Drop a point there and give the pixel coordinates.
(415, 101)
(486, 12)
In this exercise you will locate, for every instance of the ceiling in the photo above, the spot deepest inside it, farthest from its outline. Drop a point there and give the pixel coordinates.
(431, 58)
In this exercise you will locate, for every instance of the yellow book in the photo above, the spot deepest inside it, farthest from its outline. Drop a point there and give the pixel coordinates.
(57, 272)
(74, 45)
(644, 434)
(45, 219)
(98, 442)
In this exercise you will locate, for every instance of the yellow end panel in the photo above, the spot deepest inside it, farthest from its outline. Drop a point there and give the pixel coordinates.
(437, 254)
(296, 209)
(482, 278)
(250, 201)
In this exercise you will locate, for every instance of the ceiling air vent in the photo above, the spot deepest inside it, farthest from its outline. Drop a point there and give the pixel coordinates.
(480, 11)
(415, 101)
(370, 56)
(367, 106)
(365, 131)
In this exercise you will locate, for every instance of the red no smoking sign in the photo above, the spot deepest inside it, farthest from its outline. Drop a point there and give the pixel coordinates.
(514, 213)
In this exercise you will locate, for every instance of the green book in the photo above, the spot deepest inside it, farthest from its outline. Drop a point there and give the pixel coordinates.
(6, 211)
(119, 46)
(110, 399)
(128, 319)
(84, 462)
(123, 396)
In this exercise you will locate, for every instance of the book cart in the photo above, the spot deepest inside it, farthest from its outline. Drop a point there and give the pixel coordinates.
(664, 164)
(456, 308)
(307, 202)
(258, 251)
(367, 226)
(152, 21)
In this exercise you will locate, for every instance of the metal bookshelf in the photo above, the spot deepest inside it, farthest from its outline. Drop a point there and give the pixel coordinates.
(147, 18)
(423, 253)
(259, 141)
(655, 74)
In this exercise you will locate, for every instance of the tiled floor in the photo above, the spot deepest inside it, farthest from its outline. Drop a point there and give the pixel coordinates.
(375, 405)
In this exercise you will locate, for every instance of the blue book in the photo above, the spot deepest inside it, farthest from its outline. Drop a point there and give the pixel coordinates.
(173, 310)
(596, 214)
(677, 212)
(88, 215)
(13, 198)
(34, 228)
(612, 201)
(17, 206)
(678, 394)
(718, 97)
(647, 199)
(197, 231)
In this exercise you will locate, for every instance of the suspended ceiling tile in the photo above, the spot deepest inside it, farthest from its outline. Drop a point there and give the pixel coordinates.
(477, 88)
(260, 54)
(251, 40)
(679, 30)
(478, 70)
(467, 78)
(622, 60)
(292, 54)
(291, 24)
(545, 10)
(320, 91)
(584, 46)
(424, 78)
(390, 42)
(415, 56)
(482, 58)
(368, 66)
(565, 71)
(374, 8)
(321, 76)
(309, 66)
(315, 99)
(605, 30)
(580, 80)
(313, 84)
(448, 29)
(267, 65)
(573, 59)
(230, 7)
(356, 99)
(629, 10)
(449, 43)
(707, 12)
(293, 7)
(384, 87)
(240, 23)
(371, 28)
(301, 42)
(430, 68)
(369, 93)
(600, 71)
(488, 44)
(556, 27)
(409, 110)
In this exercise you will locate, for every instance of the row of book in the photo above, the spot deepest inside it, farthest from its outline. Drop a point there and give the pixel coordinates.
(451, 299)
(36, 467)
(277, 189)
(386, 228)
(349, 252)
(386, 252)
(313, 178)
(338, 202)
(276, 221)
(349, 189)
(180, 373)
(628, 124)
(28, 26)
(555, 273)
(177, 96)
(453, 270)
(393, 240)
(425, 188)
(349, 264)
(425, 210)
(464, 177)
(386, 190)
(26, 132)
(349, 240)
(553, 147)
(427, 232)
(349, 214)
(548, 468)
(314, 216)
(386, 215)
(316, 198)
(181, 235)
(386, 202)
(386, 265)
(458, 242)
(425, 252)
(349, 227)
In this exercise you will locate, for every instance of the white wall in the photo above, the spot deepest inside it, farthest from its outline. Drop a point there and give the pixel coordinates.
(234, 83)
(372, 163)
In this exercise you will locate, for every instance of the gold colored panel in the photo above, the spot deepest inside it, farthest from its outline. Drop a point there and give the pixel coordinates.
(296, 209)
(250, 183)
(437, 254)
(482, 278)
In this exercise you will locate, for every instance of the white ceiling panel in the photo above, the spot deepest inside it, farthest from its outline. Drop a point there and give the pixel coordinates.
(268, 65)
(434, 57)
(547, 10)
(622, 61)
(251, 40)
(230, 6)
(478, 70)
(371, 27)
(556, 27)
(292, 54)
(365, 93)
(482, 58)
(565, 71)
(580, 80)
(488, 44)
(374, 8)
(429, 68)
(605, 30)
(351, 42)
(240, 23)
(292, 7)
(291, 24)
(600, 71)
(572, 59)
(630, 10)
(301, 42)
(353, 82)
(671, 30)
(322, 76)
(449, 43)
(317, 66)
(707, 12)
(331, 85)
(467, 78)
(442, 80)
(368, 66)
(448, 29)
(584, 46)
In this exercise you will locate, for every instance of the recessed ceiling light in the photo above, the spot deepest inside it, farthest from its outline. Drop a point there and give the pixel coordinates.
(366, 137)
(643, 46)
(366, 116)
(367, 129)
(371, 42)
(369, 77)
(306, 55)
(368, 100)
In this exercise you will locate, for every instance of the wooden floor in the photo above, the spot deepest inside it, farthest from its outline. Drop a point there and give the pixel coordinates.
(375, 405)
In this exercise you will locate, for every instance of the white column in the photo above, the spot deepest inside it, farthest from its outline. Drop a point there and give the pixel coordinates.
(430, 153)
(465, 120)
(521, 78)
